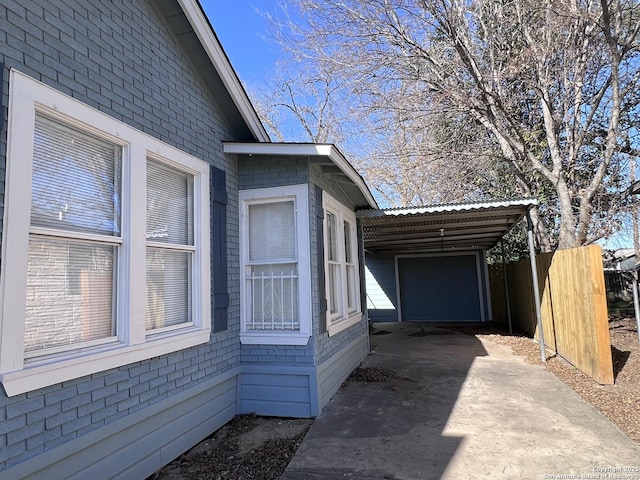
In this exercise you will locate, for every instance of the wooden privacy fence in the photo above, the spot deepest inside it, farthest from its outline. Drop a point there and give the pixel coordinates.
(573, 306)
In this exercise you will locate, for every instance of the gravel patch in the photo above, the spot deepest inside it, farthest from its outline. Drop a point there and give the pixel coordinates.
(370, 374)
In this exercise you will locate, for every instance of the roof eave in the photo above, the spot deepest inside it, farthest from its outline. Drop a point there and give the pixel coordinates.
(307, 150)
(205, 33)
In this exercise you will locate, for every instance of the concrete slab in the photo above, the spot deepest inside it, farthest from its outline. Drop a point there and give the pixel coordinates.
(459, 409)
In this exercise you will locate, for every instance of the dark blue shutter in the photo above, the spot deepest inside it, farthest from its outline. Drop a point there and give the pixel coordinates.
(322, 295)
(1, 96)
(219, 248)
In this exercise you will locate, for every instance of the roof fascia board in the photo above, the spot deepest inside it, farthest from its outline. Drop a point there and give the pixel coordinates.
(304, 150)
(290, 149)
(201, 26)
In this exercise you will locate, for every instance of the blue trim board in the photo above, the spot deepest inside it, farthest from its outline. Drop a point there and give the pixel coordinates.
(277, 390)
(142, 442)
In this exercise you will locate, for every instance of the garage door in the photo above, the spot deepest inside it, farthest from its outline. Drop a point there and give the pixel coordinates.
(439, 288)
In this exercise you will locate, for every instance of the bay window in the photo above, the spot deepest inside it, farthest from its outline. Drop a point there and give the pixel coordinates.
(105, 248)
(275, 290)
(341, 265)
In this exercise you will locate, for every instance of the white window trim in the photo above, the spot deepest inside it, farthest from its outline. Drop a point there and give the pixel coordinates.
(300, 195)
(338, 322)
(26, 96)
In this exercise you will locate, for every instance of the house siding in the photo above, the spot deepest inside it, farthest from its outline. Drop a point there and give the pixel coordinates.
(120, 58)
(382, 297)
(277, 390)
(337, 355)
(140, 443)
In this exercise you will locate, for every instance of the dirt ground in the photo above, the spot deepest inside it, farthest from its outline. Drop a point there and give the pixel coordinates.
(247, 448)
(260, 448)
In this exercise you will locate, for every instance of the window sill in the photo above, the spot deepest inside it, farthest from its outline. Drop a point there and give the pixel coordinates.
(339, 325)
(46, 372)
(274, 338)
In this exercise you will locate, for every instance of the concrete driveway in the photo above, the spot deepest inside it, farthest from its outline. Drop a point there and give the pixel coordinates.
(459, 409)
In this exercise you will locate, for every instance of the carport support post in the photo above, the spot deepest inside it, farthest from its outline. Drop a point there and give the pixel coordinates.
(506, 287)
(636, 306)
(536, 289)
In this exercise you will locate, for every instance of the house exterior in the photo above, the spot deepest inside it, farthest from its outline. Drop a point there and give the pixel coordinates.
(164, 266)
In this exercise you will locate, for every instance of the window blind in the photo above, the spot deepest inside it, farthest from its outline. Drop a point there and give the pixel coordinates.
(273, 279)
(169, 204)
(272, 232)
(168, 288)
(332, 260)
(76, 180)
(70, 293)
(350, 268)
(168, 268)
(75, 188)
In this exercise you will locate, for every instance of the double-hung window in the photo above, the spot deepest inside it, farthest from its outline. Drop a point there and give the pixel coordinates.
(170, 247)
(275, 290)
(341, 265)
(105, 246)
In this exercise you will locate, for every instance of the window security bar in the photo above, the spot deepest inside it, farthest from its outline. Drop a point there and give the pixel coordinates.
(274, 305)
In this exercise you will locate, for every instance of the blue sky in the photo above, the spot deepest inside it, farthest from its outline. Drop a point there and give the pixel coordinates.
(242, 31)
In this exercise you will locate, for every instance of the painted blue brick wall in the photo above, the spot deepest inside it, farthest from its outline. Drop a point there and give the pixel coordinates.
(264, 172)
(118, 57)
(285, 355)
(325, 346)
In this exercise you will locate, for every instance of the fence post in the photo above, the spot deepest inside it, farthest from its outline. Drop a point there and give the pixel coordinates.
(536, 289)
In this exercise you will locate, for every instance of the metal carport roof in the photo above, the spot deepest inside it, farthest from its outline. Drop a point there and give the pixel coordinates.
(441, 228)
